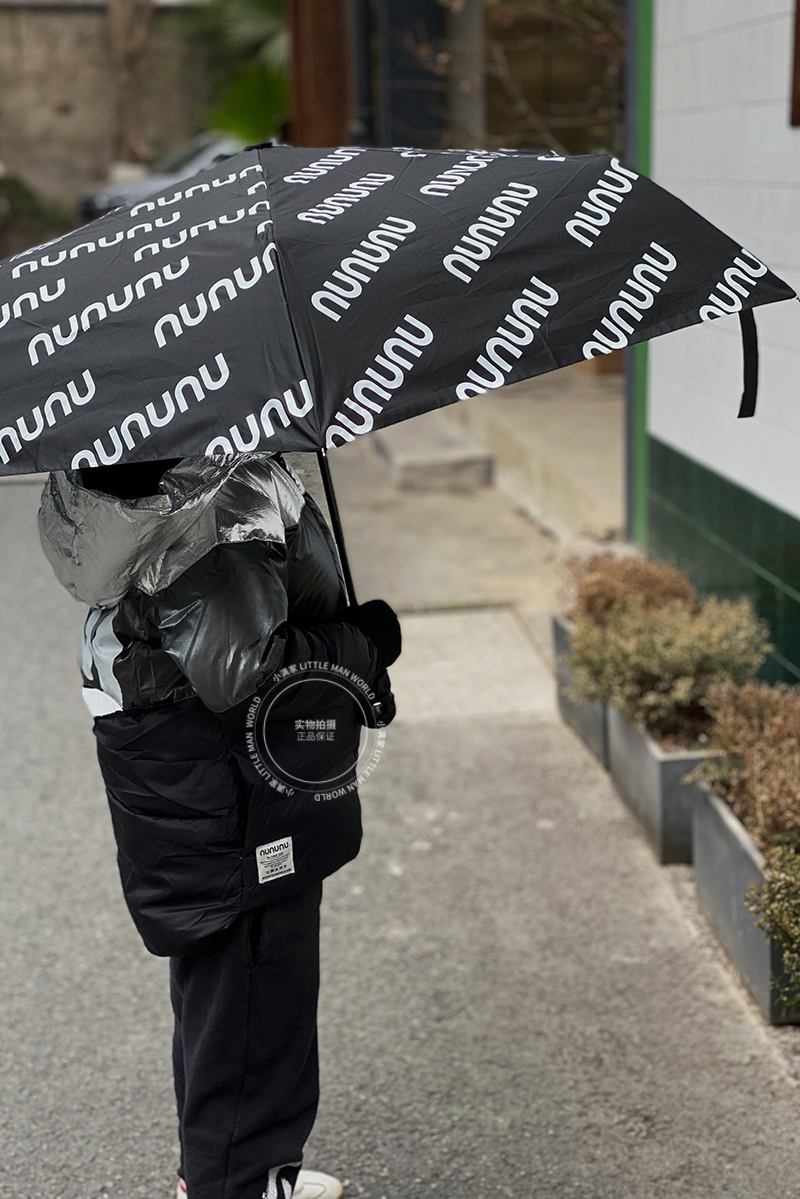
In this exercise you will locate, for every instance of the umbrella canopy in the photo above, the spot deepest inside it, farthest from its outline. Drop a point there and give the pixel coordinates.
(292, 299)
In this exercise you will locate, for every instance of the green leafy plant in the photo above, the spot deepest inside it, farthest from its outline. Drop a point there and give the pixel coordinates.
(26, 219)
(248, 51)
(253, 104)
(776, 903)
(258, 29)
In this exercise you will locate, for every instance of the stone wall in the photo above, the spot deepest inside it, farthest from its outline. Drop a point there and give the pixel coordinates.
(57, 94)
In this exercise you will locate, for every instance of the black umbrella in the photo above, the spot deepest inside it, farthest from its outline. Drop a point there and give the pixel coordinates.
(292, 299)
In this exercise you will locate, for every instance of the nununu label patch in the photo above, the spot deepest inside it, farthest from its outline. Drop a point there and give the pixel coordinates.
(275, 859)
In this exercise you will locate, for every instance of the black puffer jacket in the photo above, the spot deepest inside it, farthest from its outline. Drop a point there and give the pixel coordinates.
(197, 596)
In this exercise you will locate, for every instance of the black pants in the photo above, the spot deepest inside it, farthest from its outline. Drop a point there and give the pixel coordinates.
(245, 1052)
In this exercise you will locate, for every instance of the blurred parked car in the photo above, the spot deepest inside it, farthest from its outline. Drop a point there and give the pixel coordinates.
(193, 156)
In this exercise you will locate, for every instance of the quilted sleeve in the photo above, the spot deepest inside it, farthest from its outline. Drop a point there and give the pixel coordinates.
(219, 620)
(224, 623)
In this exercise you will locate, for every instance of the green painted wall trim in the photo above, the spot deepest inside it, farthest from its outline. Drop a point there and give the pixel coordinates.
(641, 96)
(644, 84)
(640, 446)
(703, 533)
(732, 543)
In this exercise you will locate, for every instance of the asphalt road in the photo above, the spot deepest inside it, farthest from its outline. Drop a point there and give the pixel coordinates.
(517, 1001)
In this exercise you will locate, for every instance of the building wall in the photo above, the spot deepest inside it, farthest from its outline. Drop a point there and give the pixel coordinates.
(57, 93)
(724, 495)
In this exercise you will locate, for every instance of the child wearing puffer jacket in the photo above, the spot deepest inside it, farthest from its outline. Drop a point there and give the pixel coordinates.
(214, 592)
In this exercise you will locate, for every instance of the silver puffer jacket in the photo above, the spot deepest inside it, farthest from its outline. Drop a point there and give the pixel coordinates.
(196, 596)
(124, 558)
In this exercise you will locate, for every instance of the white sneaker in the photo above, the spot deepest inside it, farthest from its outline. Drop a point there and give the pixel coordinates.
(310, 1185)
(313, 1185)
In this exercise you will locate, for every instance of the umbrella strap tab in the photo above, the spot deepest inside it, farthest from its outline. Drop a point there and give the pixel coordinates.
(747, 321)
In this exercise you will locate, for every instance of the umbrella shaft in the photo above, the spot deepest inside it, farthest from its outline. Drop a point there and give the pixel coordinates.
(336, 523)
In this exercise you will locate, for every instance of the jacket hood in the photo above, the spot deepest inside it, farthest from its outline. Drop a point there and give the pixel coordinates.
(101, 547)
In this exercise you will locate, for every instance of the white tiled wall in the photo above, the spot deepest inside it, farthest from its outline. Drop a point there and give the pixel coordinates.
(722, 142)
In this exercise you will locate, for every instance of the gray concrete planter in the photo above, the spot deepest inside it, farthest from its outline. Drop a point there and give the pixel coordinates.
(586, 717)
(726, 863)
(650, 781)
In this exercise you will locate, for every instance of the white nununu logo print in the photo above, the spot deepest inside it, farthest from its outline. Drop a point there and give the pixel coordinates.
(164, 202)
(90, 247)
(736, 284)
(322, 166)
(516, 330)
(45, 245)
(402, 345)
(15, 308)
(45, 414)
(32, 265)
(149, 420)
(476, 245)
(179, 236)
(604, 199)
(449, 180)
(99, 310)
(170, 241)
(183, 318)
(371, 253)
(634, 298)
(261, 425)
(335, 205)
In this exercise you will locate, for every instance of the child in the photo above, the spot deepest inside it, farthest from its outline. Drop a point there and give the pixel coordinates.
(203, 578)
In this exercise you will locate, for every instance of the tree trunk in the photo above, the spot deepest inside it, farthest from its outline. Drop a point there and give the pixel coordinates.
(128, 24)
(320, 76)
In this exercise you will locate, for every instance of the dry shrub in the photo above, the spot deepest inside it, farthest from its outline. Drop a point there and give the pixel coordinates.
(757, 728)
(758, 731)
(606, 582)
(658, 665)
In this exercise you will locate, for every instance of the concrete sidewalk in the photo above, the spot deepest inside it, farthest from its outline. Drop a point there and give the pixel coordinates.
(517, 1001)
(558, 445)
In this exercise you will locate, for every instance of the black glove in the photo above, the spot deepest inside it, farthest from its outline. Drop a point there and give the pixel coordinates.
(383, 705)
(378, 622)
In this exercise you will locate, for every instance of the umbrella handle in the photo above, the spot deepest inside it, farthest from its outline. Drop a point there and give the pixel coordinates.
(338, 532)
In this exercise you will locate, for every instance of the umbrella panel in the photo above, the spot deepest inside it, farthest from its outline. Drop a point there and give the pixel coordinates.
(291, 299)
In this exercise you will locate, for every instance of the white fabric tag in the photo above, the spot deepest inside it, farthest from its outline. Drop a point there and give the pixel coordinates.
(275, 859)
